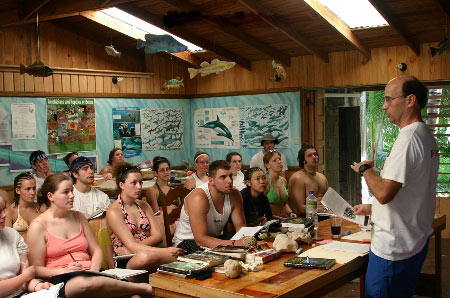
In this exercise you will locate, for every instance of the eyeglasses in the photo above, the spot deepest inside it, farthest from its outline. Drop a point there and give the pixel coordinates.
(388, 99)
(272, 151)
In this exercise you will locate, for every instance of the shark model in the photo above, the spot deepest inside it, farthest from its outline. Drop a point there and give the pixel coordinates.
(219, 128)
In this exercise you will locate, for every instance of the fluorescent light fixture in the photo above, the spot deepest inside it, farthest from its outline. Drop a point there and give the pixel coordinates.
(143, 26)
(355, 13)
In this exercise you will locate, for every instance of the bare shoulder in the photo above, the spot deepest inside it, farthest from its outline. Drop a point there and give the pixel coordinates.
(144, 205)
(235, 195)
(11, 209)
(197, 198)
(37, 224)
(113, 209)
(321, 177)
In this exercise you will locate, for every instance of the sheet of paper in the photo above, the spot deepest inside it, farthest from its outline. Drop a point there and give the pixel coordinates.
(341, 257)
(347, 247)
(247, 231)
(341, 207)
(292, 225)
(5, 132)
(50, 293)
(359, 236)
(23, 121)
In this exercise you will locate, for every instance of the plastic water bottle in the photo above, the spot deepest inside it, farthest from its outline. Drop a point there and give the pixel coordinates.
(172, 176)
(311, 211)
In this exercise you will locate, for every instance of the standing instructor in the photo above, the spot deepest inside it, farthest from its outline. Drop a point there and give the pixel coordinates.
(405, 195)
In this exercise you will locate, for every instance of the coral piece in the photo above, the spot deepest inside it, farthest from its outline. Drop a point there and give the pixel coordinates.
(301, 235)
(232, 268)
(283, 243)
(250, 241)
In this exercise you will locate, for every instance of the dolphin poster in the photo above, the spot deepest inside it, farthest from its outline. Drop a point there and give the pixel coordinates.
(216, 127)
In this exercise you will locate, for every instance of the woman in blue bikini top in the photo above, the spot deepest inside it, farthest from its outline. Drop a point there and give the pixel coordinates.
(276, 190)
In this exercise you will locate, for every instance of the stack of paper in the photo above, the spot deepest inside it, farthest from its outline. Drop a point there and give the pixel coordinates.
(343, 252)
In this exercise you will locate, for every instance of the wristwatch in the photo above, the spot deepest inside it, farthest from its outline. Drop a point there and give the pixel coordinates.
(363, 168)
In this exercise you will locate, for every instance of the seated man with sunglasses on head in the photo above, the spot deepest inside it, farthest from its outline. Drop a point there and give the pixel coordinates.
(268, 143)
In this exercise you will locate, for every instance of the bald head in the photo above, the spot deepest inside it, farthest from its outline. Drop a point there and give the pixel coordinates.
(410, 85)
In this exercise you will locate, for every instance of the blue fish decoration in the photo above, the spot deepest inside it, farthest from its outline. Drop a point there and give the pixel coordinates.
(219, 128)
(160, 43)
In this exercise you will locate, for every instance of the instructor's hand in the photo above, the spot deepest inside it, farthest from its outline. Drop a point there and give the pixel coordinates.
(355, 166)
(363, 209)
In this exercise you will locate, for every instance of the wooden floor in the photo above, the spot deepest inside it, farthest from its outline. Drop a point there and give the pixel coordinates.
(351, 290)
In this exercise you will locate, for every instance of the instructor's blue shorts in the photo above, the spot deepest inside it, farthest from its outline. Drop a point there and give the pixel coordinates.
(385, 278)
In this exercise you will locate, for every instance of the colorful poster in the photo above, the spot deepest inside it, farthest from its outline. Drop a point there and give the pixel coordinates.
(216, 127)
(70, 125)
(161, 129)
(127, 131)
(255, 121)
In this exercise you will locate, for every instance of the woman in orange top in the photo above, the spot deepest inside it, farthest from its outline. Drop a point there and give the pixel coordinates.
(61, 241)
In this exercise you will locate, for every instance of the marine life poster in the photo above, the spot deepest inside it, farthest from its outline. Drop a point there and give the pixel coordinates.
(161, 129)
(71, 125)
(216, 127)
(127, 130)
(255, 121)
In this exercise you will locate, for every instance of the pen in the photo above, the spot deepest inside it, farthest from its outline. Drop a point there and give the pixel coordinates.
(71, 256)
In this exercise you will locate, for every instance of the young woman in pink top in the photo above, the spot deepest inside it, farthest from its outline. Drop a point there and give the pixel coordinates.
(61, 241)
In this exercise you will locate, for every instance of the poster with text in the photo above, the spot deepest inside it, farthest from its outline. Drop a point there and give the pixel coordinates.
(161, 129)
(255, 121)
(127, 130)
(216, 127)
(70, 125)
(23, 117)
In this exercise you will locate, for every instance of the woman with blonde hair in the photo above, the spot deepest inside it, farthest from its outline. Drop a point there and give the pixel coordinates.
(201, 164)
(61, 241)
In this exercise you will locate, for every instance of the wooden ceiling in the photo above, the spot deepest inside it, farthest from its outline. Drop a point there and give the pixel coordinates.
(245, 30)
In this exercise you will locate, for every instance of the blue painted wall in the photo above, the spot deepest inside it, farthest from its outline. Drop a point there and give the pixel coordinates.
(103, 108)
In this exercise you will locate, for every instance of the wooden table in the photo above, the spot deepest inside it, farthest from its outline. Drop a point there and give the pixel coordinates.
(275, 280)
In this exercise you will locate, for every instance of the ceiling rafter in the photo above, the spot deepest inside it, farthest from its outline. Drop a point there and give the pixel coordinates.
(288, 30)
(232, 30)
(56, 10)
(393, 21)
(126, 29)
(157, 21)
(444, 5)
(339, 26)
(30, 9)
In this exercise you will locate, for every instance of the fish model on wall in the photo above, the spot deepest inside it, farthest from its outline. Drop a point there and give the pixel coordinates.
(110, 50)
(216, 67)
(219, 128)
(160, 43)
(443, 46)
(280, 73)
(172, 84)
(37, 69)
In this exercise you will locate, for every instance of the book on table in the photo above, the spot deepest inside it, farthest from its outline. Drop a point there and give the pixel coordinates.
(263, 256)
(313, 263)
(235, 252)
(182, 269)
(116, 273)
(205, 257)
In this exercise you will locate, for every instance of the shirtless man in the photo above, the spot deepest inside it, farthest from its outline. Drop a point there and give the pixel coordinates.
(207, 209)
(306, 179)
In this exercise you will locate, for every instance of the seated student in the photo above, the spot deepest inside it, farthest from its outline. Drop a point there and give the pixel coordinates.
(161, 168)
(135, 228)
(256, 205)
(207, 209)
(87, 199)
(201, 164)
(61, 241)
(69, 157)
(16, 276)
(24, 209)
(306, 179)
(115, 159)
(276, 190)
(39, 163)
(235, 161)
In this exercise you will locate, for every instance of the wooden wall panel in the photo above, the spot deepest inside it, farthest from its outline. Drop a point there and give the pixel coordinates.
(83, 84)
(443, 207)
(29, 83)
(91, 84)
(19, 82)
(8, 81)
(57, 83)
(48, 84)
(38, 84)
(1, 81)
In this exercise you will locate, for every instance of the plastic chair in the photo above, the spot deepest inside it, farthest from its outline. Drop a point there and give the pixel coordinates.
(180, 193)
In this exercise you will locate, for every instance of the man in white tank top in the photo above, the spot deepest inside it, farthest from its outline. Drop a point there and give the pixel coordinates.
(207, 208)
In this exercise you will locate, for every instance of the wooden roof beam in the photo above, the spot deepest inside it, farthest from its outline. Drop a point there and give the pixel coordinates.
(157, 21)
(393, 21)
(31, 8)
(288, 30)
(55, 10)
(339, 26)
(444, 5)
(232, 30)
